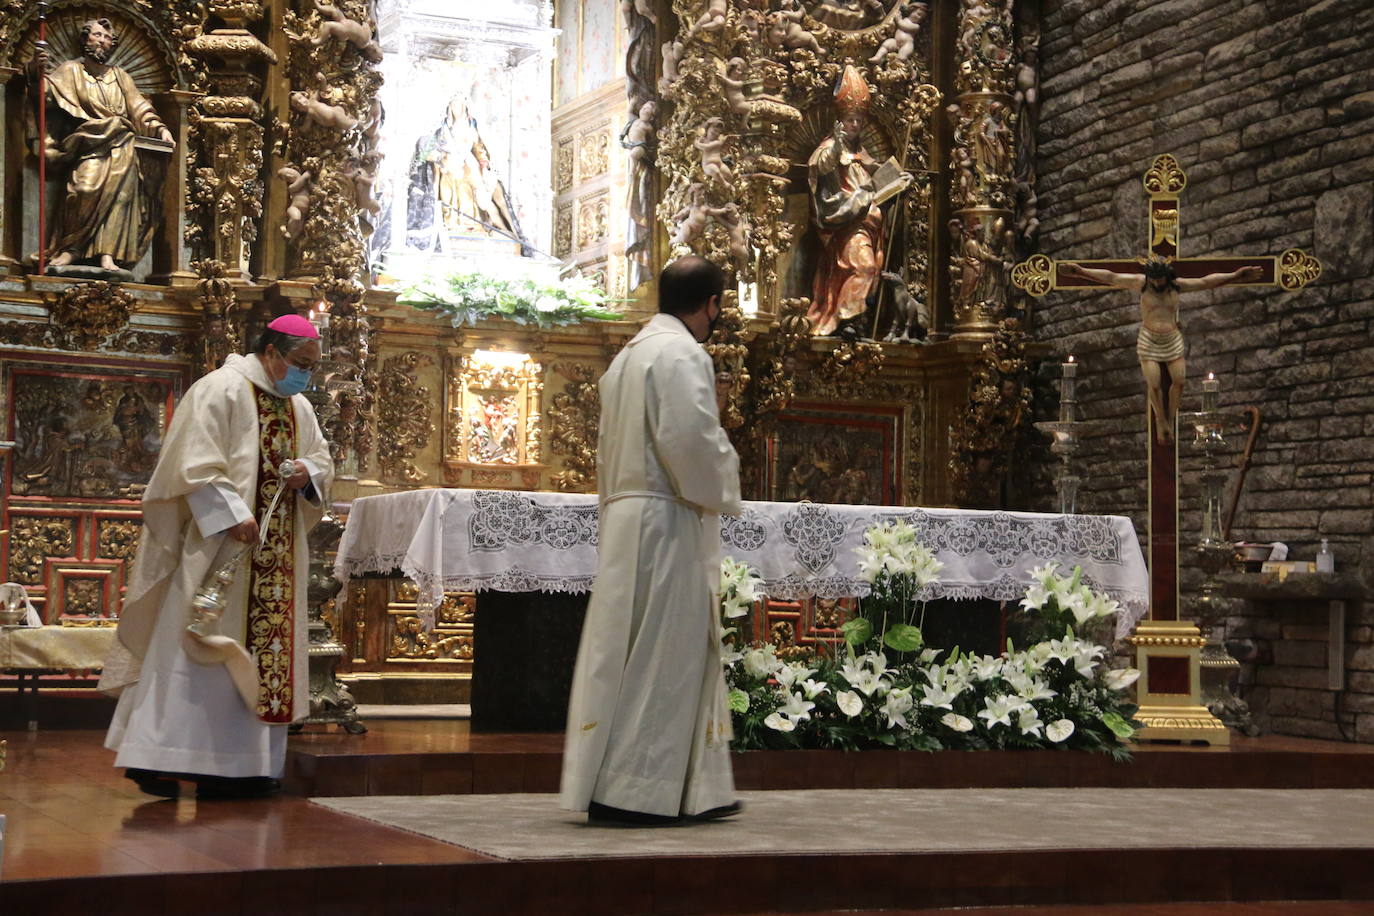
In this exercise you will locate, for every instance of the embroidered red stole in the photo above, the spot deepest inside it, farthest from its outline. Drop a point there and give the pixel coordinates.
(271, 631)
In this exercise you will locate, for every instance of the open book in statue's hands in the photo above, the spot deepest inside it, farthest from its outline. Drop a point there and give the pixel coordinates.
(889, 180)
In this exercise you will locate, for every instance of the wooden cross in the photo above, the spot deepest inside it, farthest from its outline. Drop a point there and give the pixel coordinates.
(1167, 674)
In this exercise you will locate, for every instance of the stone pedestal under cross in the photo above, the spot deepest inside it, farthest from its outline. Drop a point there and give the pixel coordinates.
(1168, 647)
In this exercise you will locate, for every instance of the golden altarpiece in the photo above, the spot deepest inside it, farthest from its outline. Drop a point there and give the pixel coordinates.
(700, 143)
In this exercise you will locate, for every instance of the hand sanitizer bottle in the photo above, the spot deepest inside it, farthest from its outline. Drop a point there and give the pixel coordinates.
(1326, 560)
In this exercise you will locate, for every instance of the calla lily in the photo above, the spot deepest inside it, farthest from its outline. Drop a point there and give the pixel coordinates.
(1121, 678)
(1059, 730)
(779, 723)
(849, 702)
(957, 722)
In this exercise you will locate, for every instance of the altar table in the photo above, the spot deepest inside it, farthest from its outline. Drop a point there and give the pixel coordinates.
(499, 540)
(30, 652)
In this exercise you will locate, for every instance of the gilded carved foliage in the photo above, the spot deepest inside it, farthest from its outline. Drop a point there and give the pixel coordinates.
(221, 320)
(988, 431)
(89, 313)
(117, 539)
(404, 421)
(750, 93)
(573, 420)
(351, 378)
(333, 124)
(32, 540)
(493, 416)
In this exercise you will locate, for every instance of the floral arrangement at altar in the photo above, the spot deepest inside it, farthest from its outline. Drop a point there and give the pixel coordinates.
(531, 297)
(881, 687)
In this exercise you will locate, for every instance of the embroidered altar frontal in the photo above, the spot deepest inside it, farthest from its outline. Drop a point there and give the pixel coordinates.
(475, 540)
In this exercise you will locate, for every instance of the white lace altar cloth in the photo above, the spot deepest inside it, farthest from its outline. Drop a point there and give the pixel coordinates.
(474, 540)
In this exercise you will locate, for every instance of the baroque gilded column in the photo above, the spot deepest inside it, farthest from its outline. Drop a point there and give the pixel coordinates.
(225, 198)
(982, 161)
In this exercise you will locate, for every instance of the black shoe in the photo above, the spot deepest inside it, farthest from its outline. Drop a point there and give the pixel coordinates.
(715, 814)
(151, 782)
(227, 787)
(598, 813)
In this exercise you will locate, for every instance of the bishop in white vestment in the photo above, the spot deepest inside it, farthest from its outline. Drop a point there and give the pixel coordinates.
(648, 727)
(216, 710)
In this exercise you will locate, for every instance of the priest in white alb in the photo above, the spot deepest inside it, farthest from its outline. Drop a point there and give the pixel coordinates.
(244, 470)
(648, 726)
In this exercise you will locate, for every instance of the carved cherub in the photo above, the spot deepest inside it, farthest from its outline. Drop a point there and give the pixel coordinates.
(733, 82)
(672, 56)
(338, 26)
(785, 29)
(322, 113)
(712, 145)
(363, 175)
(712, 20)
(639, 135)
(903, 41)
(751, 22)
(909, 312)
(691, 218)
(729, 217)
(298, 204)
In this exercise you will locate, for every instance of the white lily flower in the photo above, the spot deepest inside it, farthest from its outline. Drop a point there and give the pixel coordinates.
(779, 723)
(1077, 604)
(852, 670)
(849, 702)
(938, 698)
(1062, 650)
(788, 675)
(1028, 720)
(957, 722)
(999, 710)
(897, 705)
(877, 661)
(813, 689)
(869, 682)
(1121, 678)
(760, 662)
(1085, 658)
(1103, 606)
(729, 655)
(797, 707)
(928, 655)
(1036, 596)
(1045, 576)
(1059, 730)
(987, 668)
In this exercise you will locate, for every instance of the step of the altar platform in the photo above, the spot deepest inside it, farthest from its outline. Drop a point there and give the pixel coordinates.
(410, 757)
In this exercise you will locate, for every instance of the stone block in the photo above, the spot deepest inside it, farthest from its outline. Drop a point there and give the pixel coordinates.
(1304, 728)
(1300, 653)
(1348, 521)
(1303, 678)
(1306, 704)
(1344, 230)
(1360, 657)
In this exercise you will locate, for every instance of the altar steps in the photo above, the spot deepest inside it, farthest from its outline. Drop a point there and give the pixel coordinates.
(445, 758)
(77, 832)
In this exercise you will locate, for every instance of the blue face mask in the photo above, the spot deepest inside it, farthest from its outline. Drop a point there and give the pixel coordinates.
(296, 381)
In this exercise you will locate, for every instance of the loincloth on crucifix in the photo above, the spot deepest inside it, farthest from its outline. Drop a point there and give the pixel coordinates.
(1161, 347)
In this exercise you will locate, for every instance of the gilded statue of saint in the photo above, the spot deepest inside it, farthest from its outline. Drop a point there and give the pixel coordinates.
(848, 185)
(109, 210)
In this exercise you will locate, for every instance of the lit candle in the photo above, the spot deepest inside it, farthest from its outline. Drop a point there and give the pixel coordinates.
(1067, 377)
(1211, 387)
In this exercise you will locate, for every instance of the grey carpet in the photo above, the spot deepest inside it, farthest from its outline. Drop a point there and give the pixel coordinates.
(898, 820)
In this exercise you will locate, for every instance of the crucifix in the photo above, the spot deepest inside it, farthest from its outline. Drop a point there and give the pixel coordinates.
(1167, 647)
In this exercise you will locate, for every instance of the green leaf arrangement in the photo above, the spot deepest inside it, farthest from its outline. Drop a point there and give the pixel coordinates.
(469, 297)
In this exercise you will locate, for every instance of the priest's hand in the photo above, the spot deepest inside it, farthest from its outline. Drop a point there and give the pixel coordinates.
(299, 479)
(245, 532)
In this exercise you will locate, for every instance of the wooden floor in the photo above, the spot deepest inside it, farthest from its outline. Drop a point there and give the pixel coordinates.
(77, 832)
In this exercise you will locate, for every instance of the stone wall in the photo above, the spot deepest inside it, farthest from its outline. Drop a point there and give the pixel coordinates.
(1269, 107)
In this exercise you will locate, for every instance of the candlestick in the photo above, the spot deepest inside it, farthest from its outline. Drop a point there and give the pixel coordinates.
(1211, 388)
(1068, 376)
